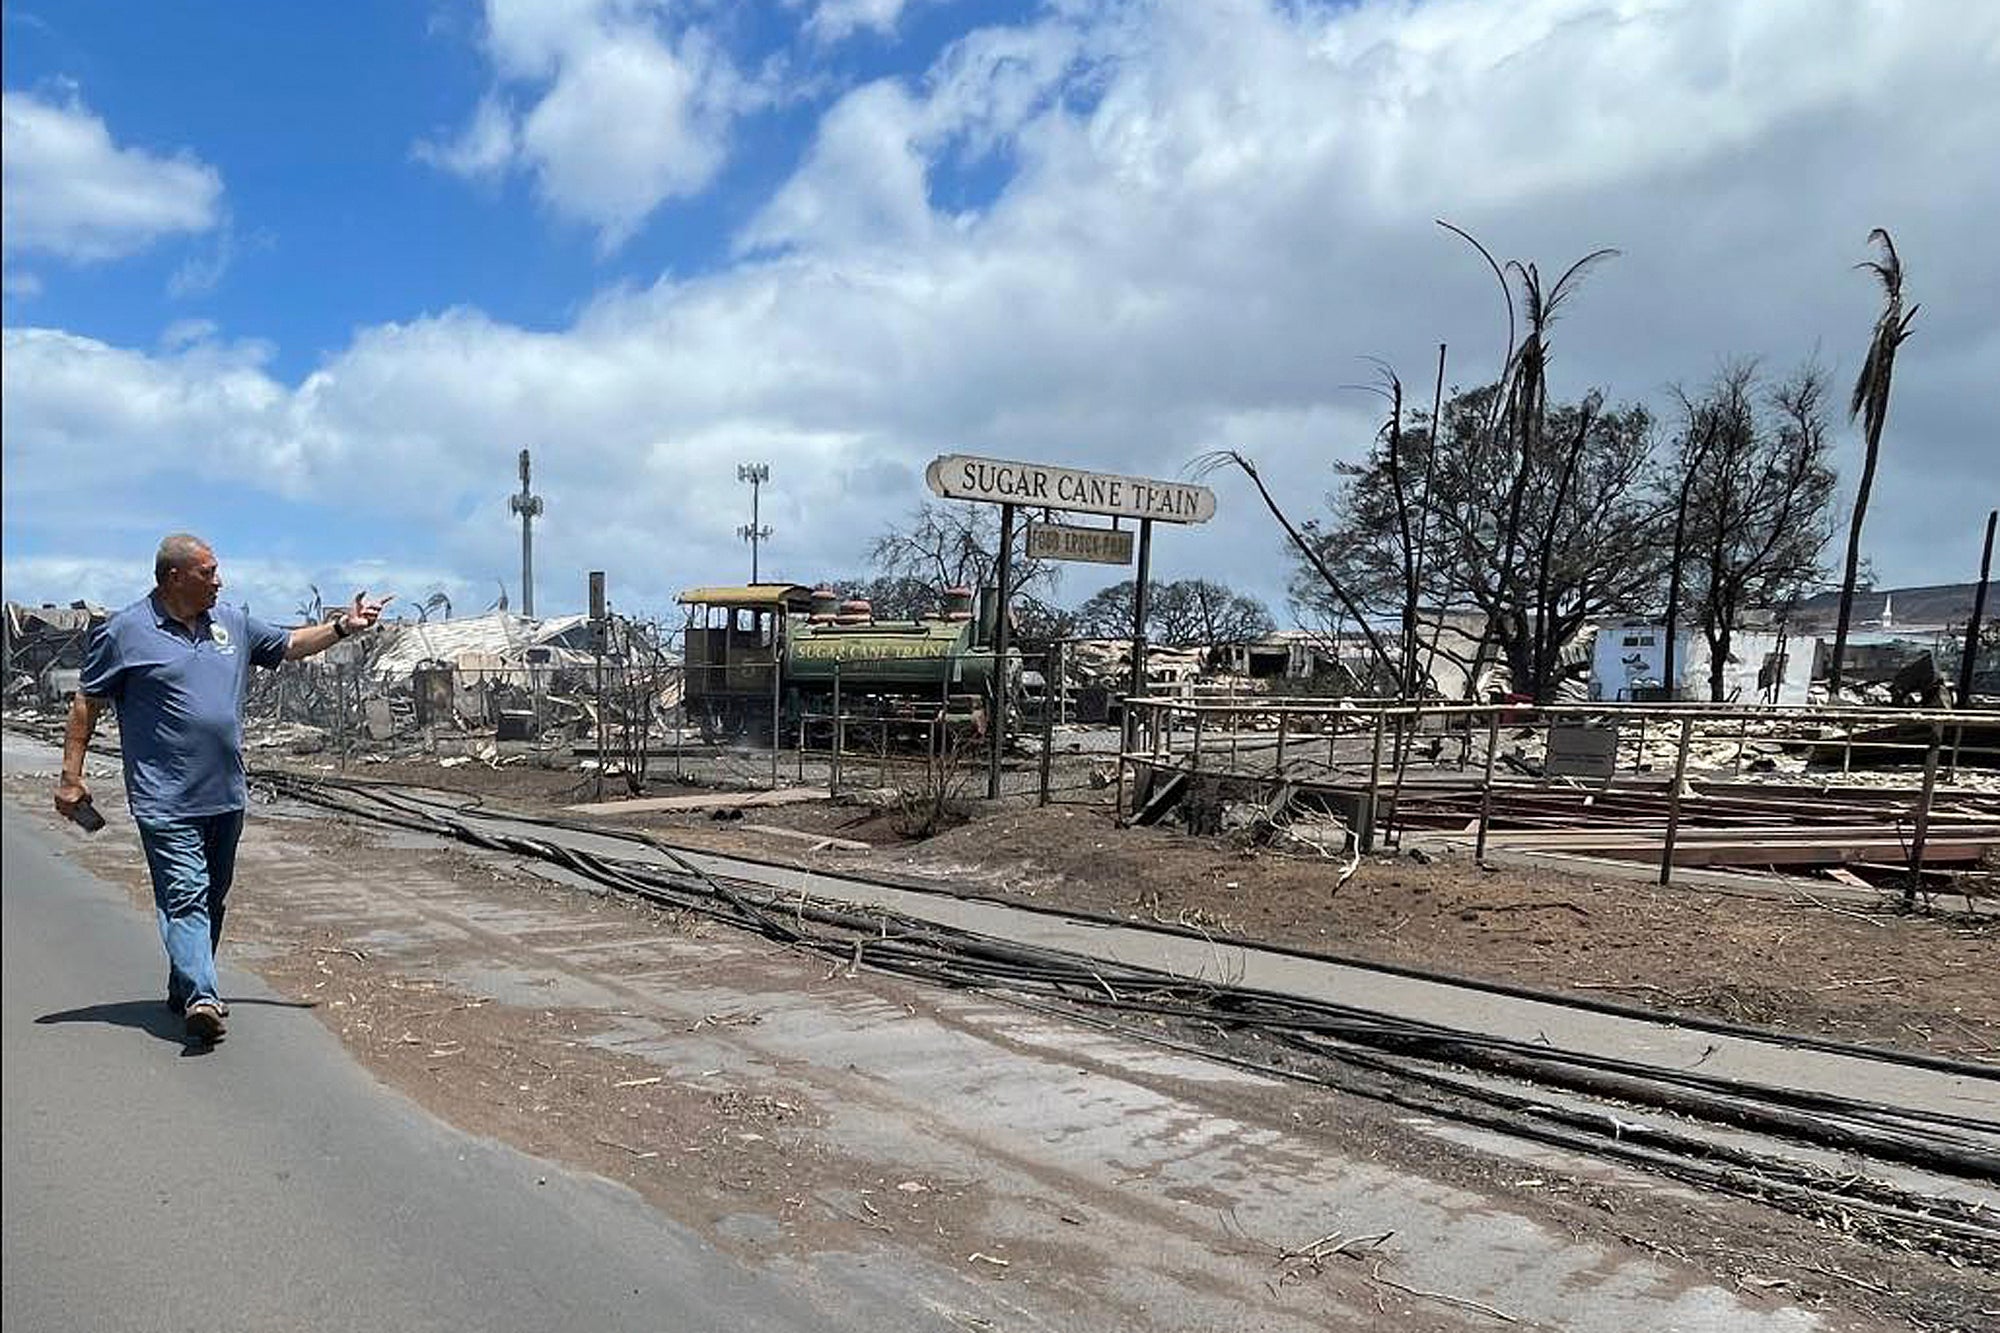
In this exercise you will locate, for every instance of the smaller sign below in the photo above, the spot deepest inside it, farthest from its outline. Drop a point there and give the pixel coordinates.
(1099, 546)
(1583, 750)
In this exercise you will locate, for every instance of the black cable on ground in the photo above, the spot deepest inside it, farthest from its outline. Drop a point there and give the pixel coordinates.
(1246, 1006)
(942, 955)
(1591, 1004)
(929, 952)
(1827, 1203)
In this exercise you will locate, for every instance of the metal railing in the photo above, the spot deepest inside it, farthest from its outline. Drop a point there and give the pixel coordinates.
(1376, 750)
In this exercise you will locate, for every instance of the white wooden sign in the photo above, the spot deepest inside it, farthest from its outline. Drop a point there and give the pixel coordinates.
(1099, 546)
(999, 481)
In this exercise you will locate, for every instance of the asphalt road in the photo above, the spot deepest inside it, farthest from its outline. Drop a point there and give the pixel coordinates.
(270, 1184)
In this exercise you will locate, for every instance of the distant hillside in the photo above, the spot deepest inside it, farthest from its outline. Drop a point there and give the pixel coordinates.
(1932, 606)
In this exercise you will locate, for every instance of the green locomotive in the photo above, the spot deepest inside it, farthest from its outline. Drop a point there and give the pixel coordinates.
(782, 650)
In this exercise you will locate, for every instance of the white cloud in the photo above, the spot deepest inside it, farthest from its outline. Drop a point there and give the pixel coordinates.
(71, 192)
(484, 148)
(863, 183)
(618, 115)
(1208, 215)
(277, 590)
(198, 408)
(60, 579)
(991, 83)
(200, 274)
(627, 124)
(183, 333)
(836, 20)
(529, 39)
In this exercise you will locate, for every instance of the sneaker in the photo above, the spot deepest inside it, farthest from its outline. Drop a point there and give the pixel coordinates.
(204, 1022)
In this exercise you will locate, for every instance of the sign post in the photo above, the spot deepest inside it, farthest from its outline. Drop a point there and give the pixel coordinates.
(1140, 582)
(1043, 486)
(599, 624)
(997, 731)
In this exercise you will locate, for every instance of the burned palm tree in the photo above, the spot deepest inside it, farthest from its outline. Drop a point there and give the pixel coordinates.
(1871, 403)
(1390, 388)
(312, 611)
(1518, 429)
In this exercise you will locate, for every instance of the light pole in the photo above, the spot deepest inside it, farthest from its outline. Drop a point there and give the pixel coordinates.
(754, 531)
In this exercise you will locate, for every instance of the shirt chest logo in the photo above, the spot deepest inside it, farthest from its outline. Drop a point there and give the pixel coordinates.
(223, 643)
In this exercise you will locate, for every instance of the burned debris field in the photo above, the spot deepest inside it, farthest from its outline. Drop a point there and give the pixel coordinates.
(1062, 668)
(1249, 971)
(1753, 890)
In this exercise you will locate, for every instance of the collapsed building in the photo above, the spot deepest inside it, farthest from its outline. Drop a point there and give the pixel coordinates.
(499, 643)
(502, 676)
(1452, 661)
(1891, 631)
(43, 649)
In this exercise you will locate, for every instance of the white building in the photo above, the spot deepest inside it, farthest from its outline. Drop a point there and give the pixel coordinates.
(1629, 662)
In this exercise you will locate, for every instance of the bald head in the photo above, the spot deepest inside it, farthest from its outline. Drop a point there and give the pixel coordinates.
(180, 550)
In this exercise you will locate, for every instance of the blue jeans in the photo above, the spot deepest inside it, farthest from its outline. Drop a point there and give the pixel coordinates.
(193, 862)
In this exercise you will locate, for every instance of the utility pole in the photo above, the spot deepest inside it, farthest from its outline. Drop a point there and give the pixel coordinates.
(754, 531)
(529, 506)
(1971, 655)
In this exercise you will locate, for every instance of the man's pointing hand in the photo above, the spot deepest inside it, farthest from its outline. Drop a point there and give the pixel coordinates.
(363, 614)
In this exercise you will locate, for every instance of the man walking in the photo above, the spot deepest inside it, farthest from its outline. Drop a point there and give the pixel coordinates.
(175, 666)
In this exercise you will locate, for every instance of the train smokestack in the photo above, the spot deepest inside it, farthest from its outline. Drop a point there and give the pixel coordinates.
(989, 613)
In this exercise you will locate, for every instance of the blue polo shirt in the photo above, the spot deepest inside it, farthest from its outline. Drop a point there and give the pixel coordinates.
(179, 697)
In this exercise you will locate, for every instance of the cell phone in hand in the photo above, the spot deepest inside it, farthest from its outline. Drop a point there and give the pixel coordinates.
(86, 817)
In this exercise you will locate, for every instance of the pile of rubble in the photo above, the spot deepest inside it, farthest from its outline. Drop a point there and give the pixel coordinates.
(450, 687)
(43, 649)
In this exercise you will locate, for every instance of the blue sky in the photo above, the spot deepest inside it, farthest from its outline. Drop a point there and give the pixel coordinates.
(304, 278)
(309, 113)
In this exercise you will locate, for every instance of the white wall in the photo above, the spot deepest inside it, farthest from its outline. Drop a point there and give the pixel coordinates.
(1626, 656)
(1629, 655)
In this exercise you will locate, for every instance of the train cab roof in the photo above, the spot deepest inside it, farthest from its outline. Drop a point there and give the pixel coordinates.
(792, 597)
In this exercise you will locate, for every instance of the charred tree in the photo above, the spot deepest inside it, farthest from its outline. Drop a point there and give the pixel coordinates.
(1870, 402)
(1759, 488)
(1539, 542)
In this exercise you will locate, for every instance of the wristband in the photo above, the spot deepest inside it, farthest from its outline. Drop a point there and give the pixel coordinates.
(340, 630)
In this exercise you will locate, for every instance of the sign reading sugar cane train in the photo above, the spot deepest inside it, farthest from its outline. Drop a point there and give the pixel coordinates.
(998, 481)
(1102, 546)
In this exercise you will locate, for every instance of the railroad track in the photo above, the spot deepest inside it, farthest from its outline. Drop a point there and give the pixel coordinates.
(1920, 1172)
